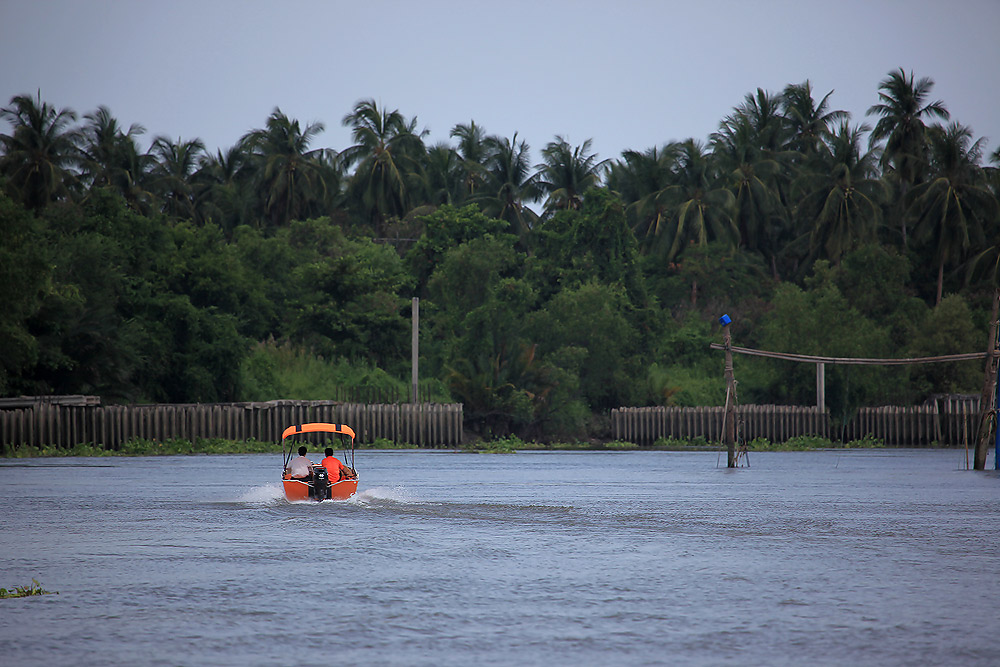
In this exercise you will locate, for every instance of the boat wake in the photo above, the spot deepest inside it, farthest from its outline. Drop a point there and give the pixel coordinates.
(379, 496)
(383, 495)
(262, 495)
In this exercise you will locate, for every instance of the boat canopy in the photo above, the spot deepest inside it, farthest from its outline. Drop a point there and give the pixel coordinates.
(318, 427)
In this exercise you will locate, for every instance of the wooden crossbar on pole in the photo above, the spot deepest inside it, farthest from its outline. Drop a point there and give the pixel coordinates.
(857, 361)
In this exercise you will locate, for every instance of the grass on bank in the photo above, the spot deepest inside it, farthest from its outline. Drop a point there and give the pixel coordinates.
(512, 444)
(34, 588)
(507, 445)
(178, 447)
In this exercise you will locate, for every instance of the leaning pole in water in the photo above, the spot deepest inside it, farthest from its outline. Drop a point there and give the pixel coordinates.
(729, 432)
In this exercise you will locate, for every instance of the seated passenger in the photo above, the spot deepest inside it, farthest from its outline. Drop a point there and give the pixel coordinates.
(300, 466)
(335, 469)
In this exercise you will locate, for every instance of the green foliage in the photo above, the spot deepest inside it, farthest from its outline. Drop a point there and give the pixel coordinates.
(167, 276)
(24, 280)
(819, 321)
(809, 442)
(284, 371)
(505, 445)
(713, 277)
(594, 244)
(947, 329)
(446, 228)
(146, 447)
(686, 371)
(468, 276)
(493, 368)
(620, 445)
(679, 444)
(347, 299)
(874, 280)
(593, 318)
(867, 442)
(384, 443)
(34, 588)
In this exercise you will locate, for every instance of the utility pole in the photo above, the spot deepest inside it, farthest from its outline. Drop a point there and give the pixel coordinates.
(415, 349)
(729, 432)
(821, 387)
(989, 393)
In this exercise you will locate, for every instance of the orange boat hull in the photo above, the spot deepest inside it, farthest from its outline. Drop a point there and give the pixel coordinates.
(342, 490)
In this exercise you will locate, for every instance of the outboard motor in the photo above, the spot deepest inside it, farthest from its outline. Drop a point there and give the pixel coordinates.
(321, 483)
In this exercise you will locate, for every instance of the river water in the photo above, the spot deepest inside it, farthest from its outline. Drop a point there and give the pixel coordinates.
(874, 557)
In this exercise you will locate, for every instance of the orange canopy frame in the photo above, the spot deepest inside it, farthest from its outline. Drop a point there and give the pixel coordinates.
(318, 427)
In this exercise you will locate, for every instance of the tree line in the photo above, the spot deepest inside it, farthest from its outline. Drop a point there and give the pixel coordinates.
(550, 292)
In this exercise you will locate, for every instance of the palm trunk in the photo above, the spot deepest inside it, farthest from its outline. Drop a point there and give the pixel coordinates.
(940, 283)
(903, 188)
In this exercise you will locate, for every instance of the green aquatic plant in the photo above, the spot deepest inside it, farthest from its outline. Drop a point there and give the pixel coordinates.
(384, 443)
(34, 588)
(148, 447)
(620, 445)
(682, 444)
(867, 442)
(507, 445)
(810, 442)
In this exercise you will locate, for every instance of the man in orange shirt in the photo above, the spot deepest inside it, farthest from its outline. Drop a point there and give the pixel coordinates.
(335, 469)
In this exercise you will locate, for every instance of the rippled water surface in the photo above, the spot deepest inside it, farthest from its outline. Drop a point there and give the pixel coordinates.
(633, 558)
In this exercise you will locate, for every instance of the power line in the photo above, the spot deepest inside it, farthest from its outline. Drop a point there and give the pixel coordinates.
(856, 361)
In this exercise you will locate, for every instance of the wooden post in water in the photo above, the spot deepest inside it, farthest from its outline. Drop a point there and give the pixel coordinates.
(989, 388)
(729, 433)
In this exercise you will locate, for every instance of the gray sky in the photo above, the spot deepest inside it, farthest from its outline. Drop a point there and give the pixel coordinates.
(630, 74)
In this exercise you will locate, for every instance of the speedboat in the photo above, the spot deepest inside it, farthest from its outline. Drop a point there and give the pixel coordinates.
(320, 486)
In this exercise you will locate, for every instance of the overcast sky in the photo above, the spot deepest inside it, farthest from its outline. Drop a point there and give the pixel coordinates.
(627, 74)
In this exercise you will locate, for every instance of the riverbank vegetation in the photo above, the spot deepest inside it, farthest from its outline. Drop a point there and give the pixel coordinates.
(505, 445)
(553, 286)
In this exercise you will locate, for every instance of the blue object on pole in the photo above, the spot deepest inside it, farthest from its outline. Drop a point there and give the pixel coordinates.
(724, 320)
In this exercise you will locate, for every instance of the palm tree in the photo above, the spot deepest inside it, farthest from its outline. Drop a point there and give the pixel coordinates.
(643, 181)
(751, 147)
(508, 185)
(703, 209)
(954, 205)
(110, 157)
(808, 122)
(443, 173)
(171, 175)
(290, 177)
(565, 173)
(902, 109)
(472, 150)
(104, 155)
(223, 188)
(40, 153)
(842, 207)
(388, 151)
(986, 263)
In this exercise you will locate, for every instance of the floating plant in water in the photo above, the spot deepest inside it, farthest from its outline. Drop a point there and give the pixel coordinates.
(34, 588)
